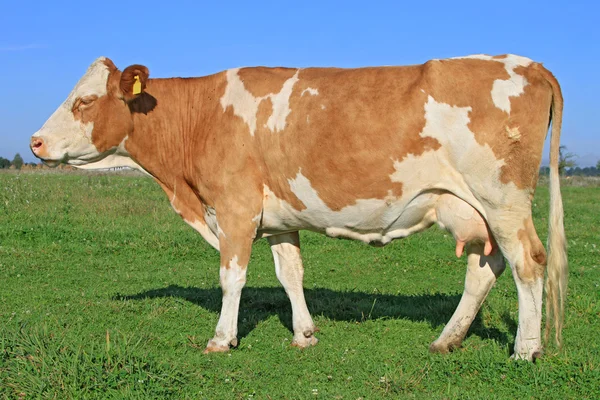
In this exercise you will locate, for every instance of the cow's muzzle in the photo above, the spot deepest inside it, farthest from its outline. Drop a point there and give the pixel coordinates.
(37, 146)
(40, 150)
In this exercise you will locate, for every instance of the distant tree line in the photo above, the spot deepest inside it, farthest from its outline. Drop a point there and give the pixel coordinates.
(567, 166)
(574, 171)
(17, 162)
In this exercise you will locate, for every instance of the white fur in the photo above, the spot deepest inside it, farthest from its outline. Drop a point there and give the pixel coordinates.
(206, 233)
(502, 89)
(311, 91)
(528, 340)
(245, 105)
(65, 137)
(459, 155)
(290, 272)
(281, 105)
(233, 279)
(113, 161)
(210, 216)
(210, 235)
(482, 272)
(368, 220)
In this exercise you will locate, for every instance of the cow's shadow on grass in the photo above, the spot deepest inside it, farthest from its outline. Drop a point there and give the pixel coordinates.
(258, 304)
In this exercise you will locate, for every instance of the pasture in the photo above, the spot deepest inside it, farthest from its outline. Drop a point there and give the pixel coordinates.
(106, 293)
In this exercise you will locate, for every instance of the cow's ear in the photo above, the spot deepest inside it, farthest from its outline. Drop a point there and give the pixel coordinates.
(133, 81)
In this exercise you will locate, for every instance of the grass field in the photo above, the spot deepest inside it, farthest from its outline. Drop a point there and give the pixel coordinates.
(106, 293)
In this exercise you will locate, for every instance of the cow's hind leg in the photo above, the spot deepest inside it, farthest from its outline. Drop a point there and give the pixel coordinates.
(290, 272)
(468, 227)
(518, 240)
(482, 272)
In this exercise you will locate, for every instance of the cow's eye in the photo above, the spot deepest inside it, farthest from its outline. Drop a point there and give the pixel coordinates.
(87, 100)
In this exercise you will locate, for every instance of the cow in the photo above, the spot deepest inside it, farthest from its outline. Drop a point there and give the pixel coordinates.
(372, 154)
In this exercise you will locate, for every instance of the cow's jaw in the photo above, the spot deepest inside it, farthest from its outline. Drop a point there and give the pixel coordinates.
(63, 138)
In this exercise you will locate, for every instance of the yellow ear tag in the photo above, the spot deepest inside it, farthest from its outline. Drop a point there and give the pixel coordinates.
(137, 85)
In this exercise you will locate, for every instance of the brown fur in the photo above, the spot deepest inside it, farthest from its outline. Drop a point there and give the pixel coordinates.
(347, 138)
(534, 256)
(261, 81)
(177, 141)
(110, 119)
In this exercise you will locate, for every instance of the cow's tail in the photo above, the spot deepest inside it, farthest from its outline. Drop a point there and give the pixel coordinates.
(557, 270)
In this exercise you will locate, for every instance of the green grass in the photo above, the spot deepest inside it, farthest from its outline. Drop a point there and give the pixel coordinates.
(106, 293)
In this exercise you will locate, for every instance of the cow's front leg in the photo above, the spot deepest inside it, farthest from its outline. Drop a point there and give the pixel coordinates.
(235, 243)
(290, 272)
(233, 279)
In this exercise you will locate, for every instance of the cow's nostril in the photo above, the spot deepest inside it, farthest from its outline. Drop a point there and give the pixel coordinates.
(36, 143)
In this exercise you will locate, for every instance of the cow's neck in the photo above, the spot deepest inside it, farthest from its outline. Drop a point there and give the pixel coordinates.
(175, 129)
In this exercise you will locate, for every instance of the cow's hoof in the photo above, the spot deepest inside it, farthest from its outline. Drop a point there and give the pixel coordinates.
(304, 342)
(528, 356)
(443, 347)
(306, 338)
(215, 346)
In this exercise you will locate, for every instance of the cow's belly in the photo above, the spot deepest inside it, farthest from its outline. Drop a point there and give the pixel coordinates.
(374, 221)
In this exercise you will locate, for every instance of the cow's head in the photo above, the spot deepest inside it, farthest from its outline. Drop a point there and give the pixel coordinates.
(96, 117)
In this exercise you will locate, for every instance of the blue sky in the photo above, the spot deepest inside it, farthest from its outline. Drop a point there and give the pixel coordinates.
(45, 47)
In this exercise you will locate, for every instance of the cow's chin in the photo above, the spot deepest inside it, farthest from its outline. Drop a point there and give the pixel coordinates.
(52, 163)
(88, 158)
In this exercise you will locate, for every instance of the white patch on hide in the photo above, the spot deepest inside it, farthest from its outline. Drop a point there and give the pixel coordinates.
(206, 233)
(120, 158)
(311, 91)
(281, 105)
(233, 263)
(503, 90)
(368, 220)
(245, 105)
(200, 227)
(65, 136)
(112, 161)
(210, 217)
(460, 157)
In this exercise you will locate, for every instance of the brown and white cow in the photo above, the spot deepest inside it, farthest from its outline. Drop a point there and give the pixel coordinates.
(373, 154)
